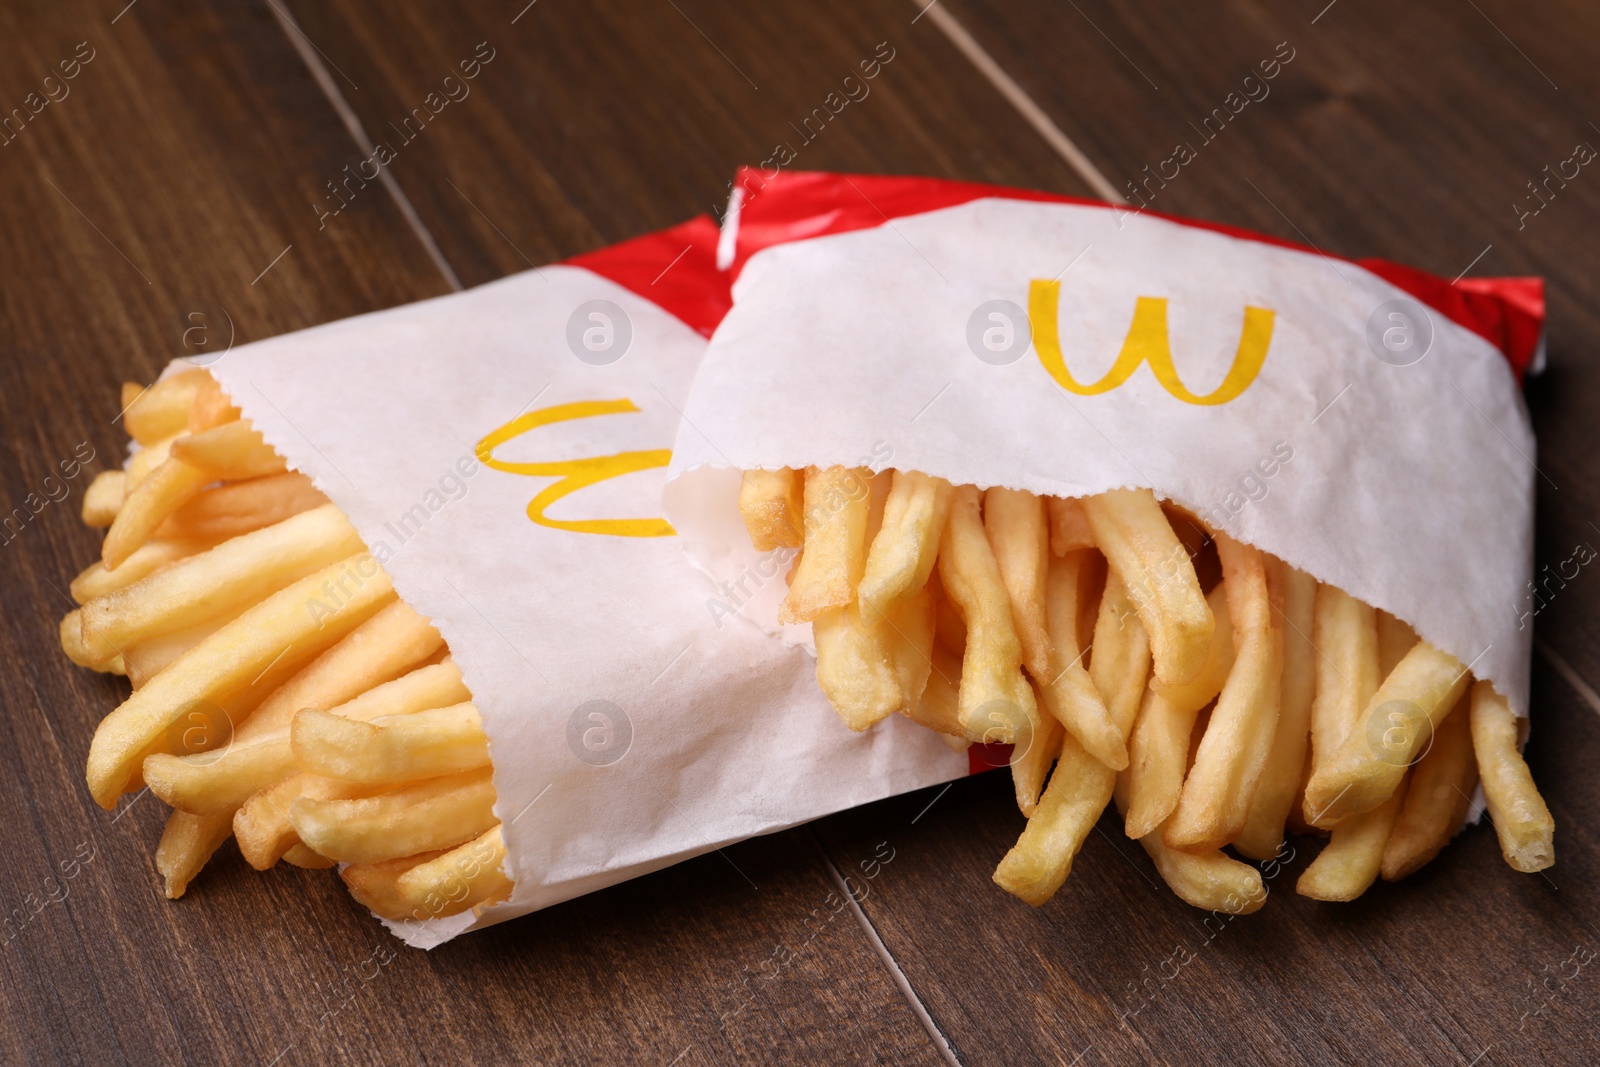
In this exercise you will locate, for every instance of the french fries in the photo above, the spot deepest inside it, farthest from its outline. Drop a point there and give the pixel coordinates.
(1220, 711)
(276, 673)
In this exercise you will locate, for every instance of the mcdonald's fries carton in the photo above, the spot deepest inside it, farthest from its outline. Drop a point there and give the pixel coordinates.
(1361, 420)
(502, 453)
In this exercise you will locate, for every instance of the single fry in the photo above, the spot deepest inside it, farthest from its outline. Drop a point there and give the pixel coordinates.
(299, 620)
(1068, 691)
(149, 658)
(1158, 749)
(836, 506)
(210, 407)
(151, 414)
(239, 507)
(376, 886)
(95, 581)
(1262, 836)
(438, 813)
(854, 668)
(997, 703)
(71, 634)
(1391, 733)
(1521, 818)
(391, 749)
(901, 556)
(221, 582)
(1019, 535)
(1078, 791)
(1119, 660)
(1353, 857)
(104, 497)
(186, 844)
(1216, 797)
(1031, 766)
(1069, 526)
(1345, 635)
(148, 505)
(232, 451)
(772, 503)
(1437, 797)
(1131, 529)
(939, 709)
(301, 856)
(459, 880)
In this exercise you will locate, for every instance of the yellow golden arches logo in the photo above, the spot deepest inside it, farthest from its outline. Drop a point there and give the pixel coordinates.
(575, 474)
(1147, 342)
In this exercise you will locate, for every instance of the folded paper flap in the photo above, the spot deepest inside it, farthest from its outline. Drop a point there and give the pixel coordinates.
(1249, 382)
(797, 205)
(502, 452)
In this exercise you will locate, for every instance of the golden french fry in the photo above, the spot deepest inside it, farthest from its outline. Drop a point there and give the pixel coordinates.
(437, 813)
(149, 415)
(376, 886)
(1262, 836)
(1069, 526)
(1119, 658)
(149, 658)
(1391, 732)
(104, 497)
(221, 582)
(1078, 791)
(1132, 530)
(1353, 857)
(186, 844)
(854, 668)
(232, 451)
(391, 749)
(301, 856)
(1215, 802)
(1395, 639)
(910, 624)
(1158, 750)
(997, 703)
(95, 581)
(150, 502)
(1437, 798)
(1209, 880)
(461, 879)
(772, 503)
(262, 825)
(940, 706)
(239, 507)
(1068, 692)
(1521, 818)
(391, 642)
(386, 646)
(299, 620)
(210, 407)
(71, 634)
(147, 459)
(1031, 766)
(836, 505)
(901, 556)
(1345, 635)
(1019, 536)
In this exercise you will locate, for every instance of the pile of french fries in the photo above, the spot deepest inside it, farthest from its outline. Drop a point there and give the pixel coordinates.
(282, 694)
(1218, 696)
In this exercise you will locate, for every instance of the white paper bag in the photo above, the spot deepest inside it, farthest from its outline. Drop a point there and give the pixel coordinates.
(633, 722)
(1360, 420)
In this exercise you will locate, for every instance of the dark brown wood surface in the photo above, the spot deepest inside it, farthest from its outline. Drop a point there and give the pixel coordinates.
(178, 177)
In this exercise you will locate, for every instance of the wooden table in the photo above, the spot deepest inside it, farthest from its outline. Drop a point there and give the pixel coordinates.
(177, 176)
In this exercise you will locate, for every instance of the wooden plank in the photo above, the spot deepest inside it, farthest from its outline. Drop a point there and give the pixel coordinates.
(595, 122)
(183, 171)
(1411, 134)
(1116, 969)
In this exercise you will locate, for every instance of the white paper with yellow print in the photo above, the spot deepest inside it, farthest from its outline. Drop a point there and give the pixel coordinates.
(631, 723)
(1068, 349)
